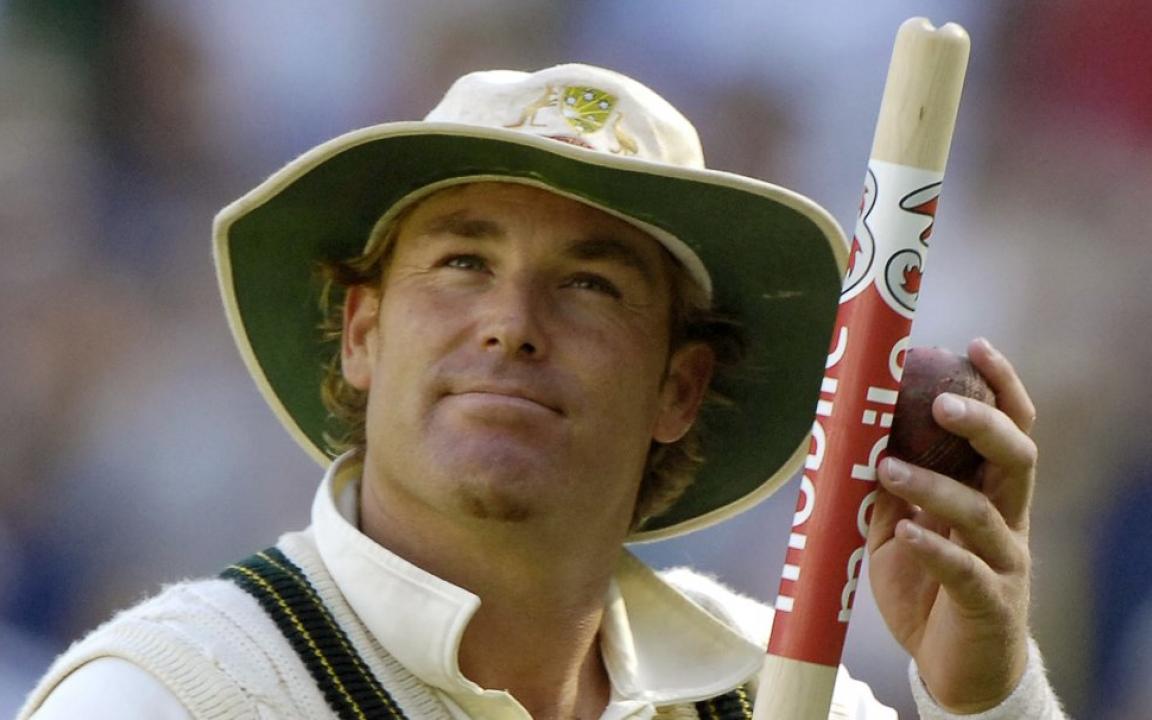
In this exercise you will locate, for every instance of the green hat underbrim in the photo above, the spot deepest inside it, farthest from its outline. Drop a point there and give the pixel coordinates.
(775, 259)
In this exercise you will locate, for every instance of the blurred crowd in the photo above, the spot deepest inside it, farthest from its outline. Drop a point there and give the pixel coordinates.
(135, 451)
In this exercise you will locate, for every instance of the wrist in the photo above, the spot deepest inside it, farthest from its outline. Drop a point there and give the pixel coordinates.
(985, 686)
(1031, 692)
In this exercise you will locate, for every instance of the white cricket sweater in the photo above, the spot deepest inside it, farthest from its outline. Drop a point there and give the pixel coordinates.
(214, 653)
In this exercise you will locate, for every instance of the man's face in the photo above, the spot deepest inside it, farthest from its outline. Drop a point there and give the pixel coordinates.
(517, 361)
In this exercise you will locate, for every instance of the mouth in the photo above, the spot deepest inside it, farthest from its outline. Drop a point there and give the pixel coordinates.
(509, 397)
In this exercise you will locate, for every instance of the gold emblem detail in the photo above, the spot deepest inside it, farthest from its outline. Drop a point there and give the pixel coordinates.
(585, 109)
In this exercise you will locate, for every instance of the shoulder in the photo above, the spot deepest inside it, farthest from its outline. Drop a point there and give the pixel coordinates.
(207, 643)
(164, 643)
(98, 689)
(749, 617)
(753, 619)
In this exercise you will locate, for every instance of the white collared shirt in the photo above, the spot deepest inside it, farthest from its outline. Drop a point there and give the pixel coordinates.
(658, 647)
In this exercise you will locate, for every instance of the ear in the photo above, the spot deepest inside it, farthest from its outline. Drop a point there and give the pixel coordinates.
(689, 373)
(358, 340)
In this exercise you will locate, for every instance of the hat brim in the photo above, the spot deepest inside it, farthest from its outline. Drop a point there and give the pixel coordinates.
(775, 258)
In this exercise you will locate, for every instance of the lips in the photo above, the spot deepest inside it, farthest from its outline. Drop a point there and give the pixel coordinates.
(512, 391)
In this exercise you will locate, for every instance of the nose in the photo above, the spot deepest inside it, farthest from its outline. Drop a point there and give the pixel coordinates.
(513, 322)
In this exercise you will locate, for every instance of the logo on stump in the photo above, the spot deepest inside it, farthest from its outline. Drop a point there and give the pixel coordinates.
(862, 255)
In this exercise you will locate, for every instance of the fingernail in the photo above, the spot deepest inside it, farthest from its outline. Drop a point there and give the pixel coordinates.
(897, 470)
(951, 406)
(912, 531)
(987, 347)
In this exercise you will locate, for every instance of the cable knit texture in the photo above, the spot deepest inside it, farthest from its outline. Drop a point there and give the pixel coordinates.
(213, 646)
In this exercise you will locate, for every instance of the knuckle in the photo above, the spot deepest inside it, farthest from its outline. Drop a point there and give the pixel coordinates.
(986, 514)
(1029, 453)
(1023, 558)
(1033, 454)
(972, 582)
(984, 518)
(968, 570)
(1025, 564)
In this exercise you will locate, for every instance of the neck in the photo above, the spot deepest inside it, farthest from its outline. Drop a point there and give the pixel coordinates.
(548, 660)
(535, 632)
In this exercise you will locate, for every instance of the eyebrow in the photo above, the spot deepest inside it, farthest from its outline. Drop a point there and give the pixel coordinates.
(594, 247)
(608, 247)
(460, 224)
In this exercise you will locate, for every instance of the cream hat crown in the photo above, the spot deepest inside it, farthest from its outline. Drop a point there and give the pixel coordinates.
(584, 105)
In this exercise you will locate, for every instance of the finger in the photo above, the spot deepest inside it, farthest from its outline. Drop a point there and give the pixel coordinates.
(887, 511)
(1009, 473)
(1011, 396)
(992, 432)
(967, 579)
(931, 522)
(968, 512)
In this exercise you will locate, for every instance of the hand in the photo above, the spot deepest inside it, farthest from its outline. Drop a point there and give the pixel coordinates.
(950, 565)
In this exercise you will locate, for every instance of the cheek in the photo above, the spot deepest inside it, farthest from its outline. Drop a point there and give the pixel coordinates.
(626, 366)
(412, 319)
(635, 329)
(413, 334)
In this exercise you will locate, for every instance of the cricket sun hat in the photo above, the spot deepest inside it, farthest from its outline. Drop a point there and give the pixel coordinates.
(766, 255)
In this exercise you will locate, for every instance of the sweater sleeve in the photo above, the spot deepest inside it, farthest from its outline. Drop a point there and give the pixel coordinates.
(110, 688)
(1033, 698)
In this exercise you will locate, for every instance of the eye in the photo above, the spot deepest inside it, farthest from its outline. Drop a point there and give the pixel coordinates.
(595, 283)
(464, 262)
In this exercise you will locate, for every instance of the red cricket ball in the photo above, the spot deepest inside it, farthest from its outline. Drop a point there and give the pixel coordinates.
(915, 436)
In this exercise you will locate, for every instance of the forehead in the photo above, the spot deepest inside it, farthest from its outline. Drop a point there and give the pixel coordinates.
(490, 207)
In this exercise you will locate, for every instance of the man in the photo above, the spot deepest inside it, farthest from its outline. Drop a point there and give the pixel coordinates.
(527, 291)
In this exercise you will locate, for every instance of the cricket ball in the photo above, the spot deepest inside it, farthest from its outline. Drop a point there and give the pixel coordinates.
(915, 436)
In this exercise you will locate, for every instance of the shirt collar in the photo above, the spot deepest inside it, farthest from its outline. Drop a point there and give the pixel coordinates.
(657, 645)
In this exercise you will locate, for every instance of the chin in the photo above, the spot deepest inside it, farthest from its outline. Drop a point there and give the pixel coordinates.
(504, 482)
(496, 506)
